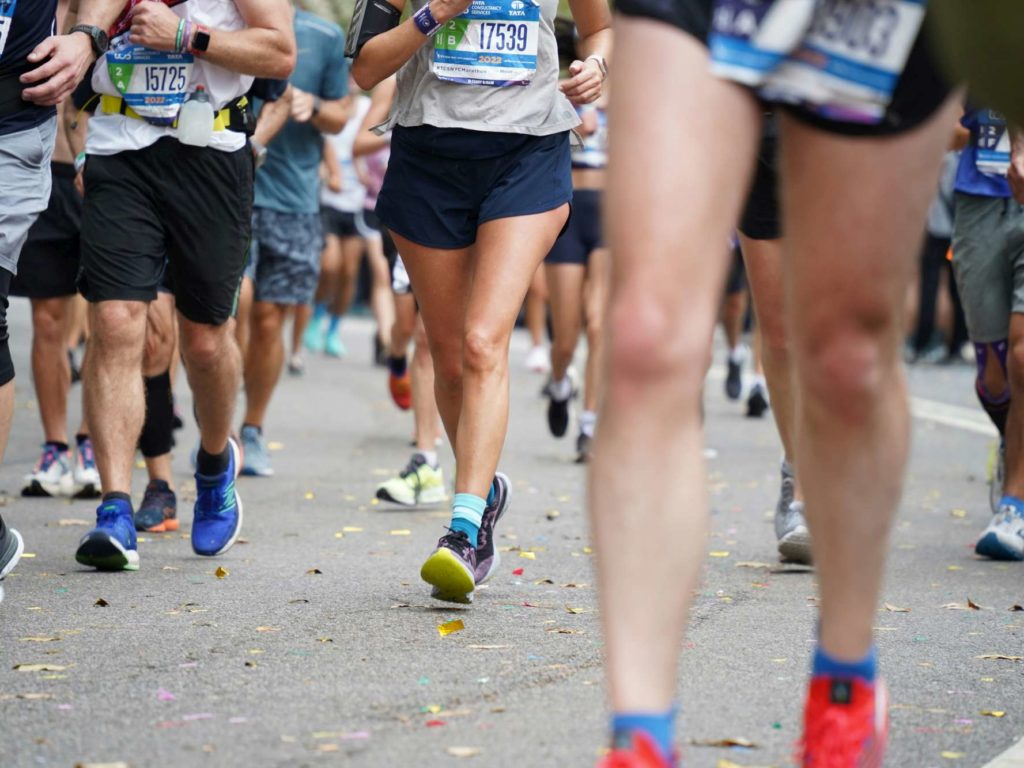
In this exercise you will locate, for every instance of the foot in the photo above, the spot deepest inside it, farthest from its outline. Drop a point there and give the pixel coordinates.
(52, 474)
(538, 360)
(846, 724)
(734, 379)
(794, 538)
(334, 346)
(449, 570)
(996, 473)
(217, 518)
(296, 365)
(584, 447)
(1004, 537)
(401, 390)
(419, 484)
(558, 416)
(380, 352)
(111, 545)
(257, 457)
(757, 402)
(11, 547)
(313, 337)
(487, 556)
(86, 475)
(639, 751)
(158, 512)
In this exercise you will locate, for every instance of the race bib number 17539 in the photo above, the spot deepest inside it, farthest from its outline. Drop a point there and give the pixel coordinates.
(494, 42)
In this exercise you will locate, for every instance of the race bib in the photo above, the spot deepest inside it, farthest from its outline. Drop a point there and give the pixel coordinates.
(993, 149)
(494, 42)
(6, 17)
(839, 58)
(153, 83)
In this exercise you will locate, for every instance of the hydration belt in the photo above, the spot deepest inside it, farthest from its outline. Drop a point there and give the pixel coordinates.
(236, 116)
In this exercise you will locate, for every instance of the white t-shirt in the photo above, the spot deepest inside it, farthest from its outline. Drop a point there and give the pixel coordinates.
(110, 134)
(353, 193)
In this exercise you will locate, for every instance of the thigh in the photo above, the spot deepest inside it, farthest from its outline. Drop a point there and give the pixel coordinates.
(289, 246)
(983, 266)
(25, 190)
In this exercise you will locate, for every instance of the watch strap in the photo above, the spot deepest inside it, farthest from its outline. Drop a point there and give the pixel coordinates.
(425, 21)
(97, 37)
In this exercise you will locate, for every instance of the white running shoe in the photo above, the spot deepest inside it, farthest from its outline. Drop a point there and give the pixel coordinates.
(538, 360)
(52, 475)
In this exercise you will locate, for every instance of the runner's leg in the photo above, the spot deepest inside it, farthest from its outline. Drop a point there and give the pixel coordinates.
(51, 372)
(213, 364)
(265, 359)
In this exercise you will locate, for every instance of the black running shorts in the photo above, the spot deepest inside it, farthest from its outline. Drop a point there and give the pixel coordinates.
(918, 95)
(762, 217)
(48, 268)
(169, 204)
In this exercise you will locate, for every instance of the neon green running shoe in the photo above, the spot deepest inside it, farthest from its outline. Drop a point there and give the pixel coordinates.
(418, 485)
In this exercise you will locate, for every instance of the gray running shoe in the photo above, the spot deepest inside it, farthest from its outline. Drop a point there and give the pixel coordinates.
(793, 535)
(256, 461)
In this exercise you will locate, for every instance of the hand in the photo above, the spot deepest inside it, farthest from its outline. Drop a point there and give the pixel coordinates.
(334, 183)
(154, 25)
(444, 10)
(302, 105)
(66, 60)
(80, 182)
(584, 83)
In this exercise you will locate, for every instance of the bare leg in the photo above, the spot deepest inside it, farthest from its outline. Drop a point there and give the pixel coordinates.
(565, 292)
(424, 405)
(536, 308)
(264, 361)
(382, 300)
(407, 323)
(161, 342)
(300, 320)
(243, 317)
(847, 278)
(595, 304)
(666, 231)
(351, 253)
(214, 367)
(50, 369)
(330, 270)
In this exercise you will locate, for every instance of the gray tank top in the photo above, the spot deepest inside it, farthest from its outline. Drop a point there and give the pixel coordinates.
(538, 108)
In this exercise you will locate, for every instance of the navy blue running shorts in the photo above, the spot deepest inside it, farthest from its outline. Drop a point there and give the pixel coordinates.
(582, 235)
(443, 183)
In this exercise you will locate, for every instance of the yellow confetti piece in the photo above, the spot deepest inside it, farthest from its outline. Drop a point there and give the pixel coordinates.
(309, 496)
(38, 668)
(999, 657)
(28, 554)
(339, 535)
(528, 555)
(450, 627)
(273, 445)
(268, 629)
(588, 551)
(993, 713)
(954, 567)
(464, 751)
(221, 572)
(400, 532)
(575, 611)
(140, 464)
(433, 708)
(255, 651)
(952, 755)
(718, 554)
(351, 529)
(958, 513)
(987, 679)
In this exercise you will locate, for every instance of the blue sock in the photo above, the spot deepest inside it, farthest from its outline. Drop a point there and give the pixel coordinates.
(824, 664)
(332, 326)
(492, 492)
(319, 310)
(659, 726)
(1013, 501)
(467, 514)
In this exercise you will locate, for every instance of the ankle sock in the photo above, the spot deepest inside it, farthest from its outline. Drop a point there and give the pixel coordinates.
(117, 496)
(467, 514)
(80, 438)
(588, 421)
(62, 447)
(397, 365)
(430, 457)
(827, 665)
(259, 430)
(332, 325)
(211, 465)
(319, 312)
(561, 390)
(1013, 501)
(659, 726)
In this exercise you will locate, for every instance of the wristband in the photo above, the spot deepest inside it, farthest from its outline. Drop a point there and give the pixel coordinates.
(425, 21)
(186, 39)
(180, 35)
(79, 162)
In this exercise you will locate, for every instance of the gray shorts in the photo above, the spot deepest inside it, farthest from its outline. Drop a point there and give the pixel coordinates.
(284, 259)
(988, 261)
(24, 186)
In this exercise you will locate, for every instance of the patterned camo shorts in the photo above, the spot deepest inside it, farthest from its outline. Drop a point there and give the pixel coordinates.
(284, 260)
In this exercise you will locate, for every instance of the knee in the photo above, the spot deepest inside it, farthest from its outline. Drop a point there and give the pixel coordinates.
(203, 346)
(1015, 365)
(47, 323)
(266, 321)
(483, 351)
(118, 324)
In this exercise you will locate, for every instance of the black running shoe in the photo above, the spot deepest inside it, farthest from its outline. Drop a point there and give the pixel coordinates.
(757, 403)
(734, 380)
(558, 416)
(487, 557)
(584, 445)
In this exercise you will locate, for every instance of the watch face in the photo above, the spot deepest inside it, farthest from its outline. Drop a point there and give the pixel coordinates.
(101, 39)
(202, 41)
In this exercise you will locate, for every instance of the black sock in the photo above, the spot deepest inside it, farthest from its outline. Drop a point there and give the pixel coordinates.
(157, 436)
(62, 447)
(212, 464)
(117, 495)
(397, 365)
(80, 438)
(997, 410)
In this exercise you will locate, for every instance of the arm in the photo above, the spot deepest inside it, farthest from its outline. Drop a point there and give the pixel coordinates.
(384, 54)
(367, 142)
(273, 115)
(330, 169)
(330, 116)
(1016, 173)
(593, 21)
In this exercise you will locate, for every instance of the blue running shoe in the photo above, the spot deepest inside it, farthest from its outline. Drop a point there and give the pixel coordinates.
(217, 519)
(111, 546)
(257, 456)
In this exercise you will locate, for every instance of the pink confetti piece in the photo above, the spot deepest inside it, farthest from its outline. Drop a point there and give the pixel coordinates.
(164, 695)
(201, 716)
(355, 735)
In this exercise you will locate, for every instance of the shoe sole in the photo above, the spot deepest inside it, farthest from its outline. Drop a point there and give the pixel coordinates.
(383, 495)
(991, 547)
(237, 450)
(19, 548)
(87, 491)
(40, 489)
(451, 579)
(795, 547)
(103, 553)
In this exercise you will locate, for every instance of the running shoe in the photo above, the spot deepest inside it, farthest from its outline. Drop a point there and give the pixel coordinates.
(996, 474)
(846, 724)
(380, 352)
(313, 337)
(159, 509)
(538, 360)
(1004, 537)
(449, 570)
(52, 475)
(11, 547)
(334, 346)
(487, 556)
(256, 462)
(76, 372)
(757, 402)
(794, 538)
(734, 379)
(217, 519)
(296, 365)
(558, 416)
(584, 447)
(111, 545)
(86, 475)
(419, 484)
(636, 750)
(401, 390)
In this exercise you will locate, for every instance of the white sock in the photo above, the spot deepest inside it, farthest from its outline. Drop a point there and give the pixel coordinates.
(588, 420)
(430, 457)
(561, 390)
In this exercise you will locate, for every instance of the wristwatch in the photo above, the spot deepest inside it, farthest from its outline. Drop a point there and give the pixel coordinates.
(99, 39)
(201, 40)
(601, 64)
(259, 152)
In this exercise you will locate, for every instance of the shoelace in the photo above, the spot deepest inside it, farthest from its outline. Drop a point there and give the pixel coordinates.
(457, 540)
(838, 737)
(107, 515)
(212, 498)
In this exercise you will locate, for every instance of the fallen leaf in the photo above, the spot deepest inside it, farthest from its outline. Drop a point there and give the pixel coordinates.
(575, 611)
(221, 572)
(999, 657)
(40, 639)
(895, 609)
(974, 606)
(566, 631)
(528, 555)
(298, 600)
(464, 751)
(751, 564)
(101, 603)
(543, 581)
(993, 713)
(72, 521)
(38, 668)
(314, 572)
(552, 514)
(1017, 608)
(450, 627)
(733, 742)
(34, 696)
(325, 640)
(268, 629)
(571, 585)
